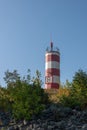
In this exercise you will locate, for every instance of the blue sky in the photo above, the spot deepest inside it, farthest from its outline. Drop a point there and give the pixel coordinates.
(27, 27)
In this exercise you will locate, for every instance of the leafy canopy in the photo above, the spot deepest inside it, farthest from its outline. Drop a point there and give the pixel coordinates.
(23, 95)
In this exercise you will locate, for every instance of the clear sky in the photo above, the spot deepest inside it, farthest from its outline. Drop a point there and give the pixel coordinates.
(27, 27)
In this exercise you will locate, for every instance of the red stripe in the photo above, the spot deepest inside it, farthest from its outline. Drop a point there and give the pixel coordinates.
(53, 86)
(53, 58)
(52, 71)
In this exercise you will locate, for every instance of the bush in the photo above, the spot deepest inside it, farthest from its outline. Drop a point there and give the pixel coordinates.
(29, 100)
(78, 92)
(70, 101)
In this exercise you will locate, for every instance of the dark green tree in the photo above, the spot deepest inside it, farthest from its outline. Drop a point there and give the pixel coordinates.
(80, 79)
(27, 78)
(11, 77)
(37, 79)
(29, 100)
(78, 91)
(26, 97)
(79, 87)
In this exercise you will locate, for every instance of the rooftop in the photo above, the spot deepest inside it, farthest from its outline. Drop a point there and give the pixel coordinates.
(51, 48)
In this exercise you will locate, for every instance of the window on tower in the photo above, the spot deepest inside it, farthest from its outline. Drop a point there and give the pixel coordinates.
(48, 79)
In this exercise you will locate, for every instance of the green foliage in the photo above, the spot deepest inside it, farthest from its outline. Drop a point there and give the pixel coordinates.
(24, 96)
(36, 80)
(4, 99)
(78, 91)
(11, 77)
(28, 100)
(80, 79)
(70, 101)
(79, 87)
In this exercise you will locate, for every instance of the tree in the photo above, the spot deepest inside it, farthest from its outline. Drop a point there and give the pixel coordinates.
(27, 78)
(23, 96)
(11, 77)
(28, 100)
(26, 97)
(79, 87)
(4, 99)
(77, 92)
(37, 79)
(80, 79)
(68, 84)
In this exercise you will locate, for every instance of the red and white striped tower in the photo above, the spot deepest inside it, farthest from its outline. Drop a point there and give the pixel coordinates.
(52, 68)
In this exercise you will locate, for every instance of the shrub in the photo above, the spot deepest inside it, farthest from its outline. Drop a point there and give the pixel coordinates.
(78, 91)
(29, 100)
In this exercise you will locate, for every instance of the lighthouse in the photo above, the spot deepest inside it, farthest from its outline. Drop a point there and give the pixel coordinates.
(52, 67)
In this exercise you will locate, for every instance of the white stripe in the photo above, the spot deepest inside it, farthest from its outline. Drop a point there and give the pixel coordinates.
(52, 64)
(56, 79)
(46, 86)
(52, 53)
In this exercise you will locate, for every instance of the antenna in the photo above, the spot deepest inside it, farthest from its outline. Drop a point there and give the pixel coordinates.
(51, 43)
(51, 46)
(51, 37)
